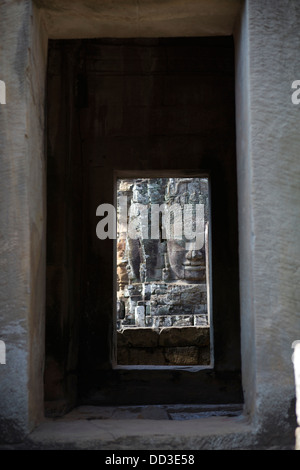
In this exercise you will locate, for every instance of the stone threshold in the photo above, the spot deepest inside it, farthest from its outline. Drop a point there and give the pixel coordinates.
(155, 427)
(154, 412)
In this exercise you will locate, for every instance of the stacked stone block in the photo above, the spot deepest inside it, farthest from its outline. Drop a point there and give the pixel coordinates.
(159, 304)
(150, 291)
(186, 346)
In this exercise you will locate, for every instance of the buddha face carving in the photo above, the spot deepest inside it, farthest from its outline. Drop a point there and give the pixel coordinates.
(194, 265)
(168, 259)
(186, 265)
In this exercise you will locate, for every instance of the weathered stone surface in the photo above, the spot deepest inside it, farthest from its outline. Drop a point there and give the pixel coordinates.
(174, 304)
(228, 433)
(138, 337)
(268, 168)
(139, 315)
(166, 346)
(88, 19)
(191, 296)
(200, 320)
(123, 355)
(146, 356)
(185, 355)
(22, 209)
(186, 336)
(147, 263)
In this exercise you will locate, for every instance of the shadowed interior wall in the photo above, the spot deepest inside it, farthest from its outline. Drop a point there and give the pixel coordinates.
(134, 105)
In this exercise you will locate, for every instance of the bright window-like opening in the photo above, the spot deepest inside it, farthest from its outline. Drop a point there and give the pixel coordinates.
(163, 308)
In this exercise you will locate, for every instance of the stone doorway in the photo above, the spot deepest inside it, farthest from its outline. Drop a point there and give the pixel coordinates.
(126, 108)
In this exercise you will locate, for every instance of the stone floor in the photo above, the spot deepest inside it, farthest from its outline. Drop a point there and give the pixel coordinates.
(143, 428)
(177, 428)
(153, 412)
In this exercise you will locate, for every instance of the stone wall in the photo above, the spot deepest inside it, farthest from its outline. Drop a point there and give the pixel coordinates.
(160, 281)
(165, 346)
(23, 60)
(268, 145)
(159, 304)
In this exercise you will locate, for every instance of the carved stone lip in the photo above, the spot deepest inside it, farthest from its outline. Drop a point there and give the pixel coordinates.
(196, 263)
(197, 267)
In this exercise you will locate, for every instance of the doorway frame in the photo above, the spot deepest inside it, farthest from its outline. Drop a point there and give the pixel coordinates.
(23, 295)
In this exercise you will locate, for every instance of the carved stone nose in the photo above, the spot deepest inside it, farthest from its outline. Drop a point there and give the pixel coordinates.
(194, 255)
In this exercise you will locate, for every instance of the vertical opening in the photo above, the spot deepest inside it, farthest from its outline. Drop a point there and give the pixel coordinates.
(135, 108)
(162, 264)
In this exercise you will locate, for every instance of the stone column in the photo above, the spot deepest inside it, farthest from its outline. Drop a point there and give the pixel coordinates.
(23, 219)
(268, 142)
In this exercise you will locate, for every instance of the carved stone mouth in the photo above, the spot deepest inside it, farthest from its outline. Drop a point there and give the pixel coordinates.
(193, 264)
(194, 267)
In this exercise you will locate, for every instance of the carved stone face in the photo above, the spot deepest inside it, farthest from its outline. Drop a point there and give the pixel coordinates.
(147, 259)
(194, 266)
(186, 265)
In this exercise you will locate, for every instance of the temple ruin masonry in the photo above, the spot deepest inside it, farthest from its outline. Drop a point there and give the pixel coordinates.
(100, 90)
(160, 283)
(164, 346)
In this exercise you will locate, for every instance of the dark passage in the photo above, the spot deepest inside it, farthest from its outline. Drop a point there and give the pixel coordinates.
(122, 108)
